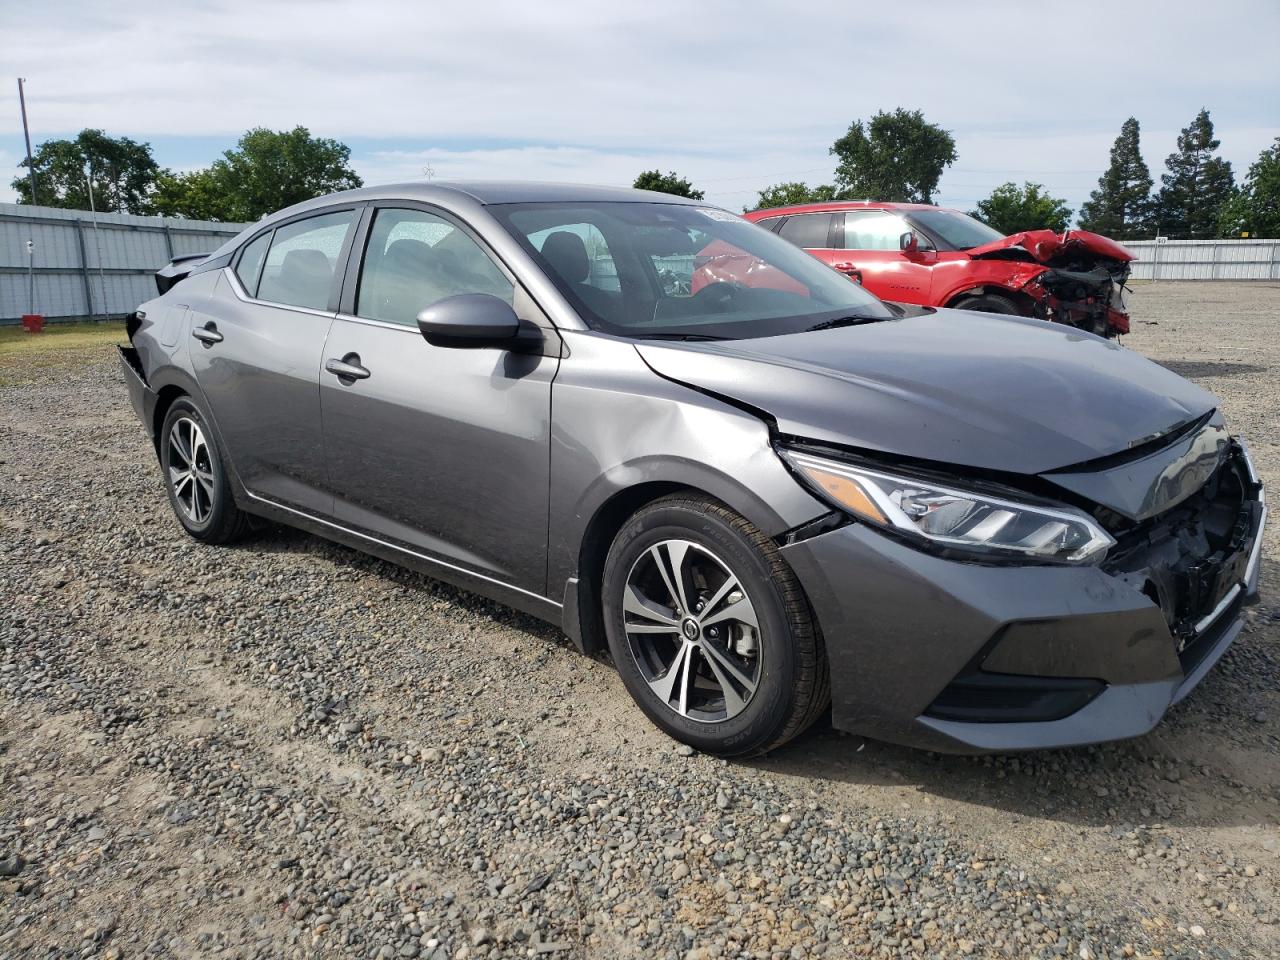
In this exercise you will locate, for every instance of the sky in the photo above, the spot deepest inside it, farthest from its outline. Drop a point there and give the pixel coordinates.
(733, 95)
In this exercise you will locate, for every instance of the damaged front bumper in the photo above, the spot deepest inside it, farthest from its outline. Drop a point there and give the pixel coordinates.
(1093, 300)
(965, 657)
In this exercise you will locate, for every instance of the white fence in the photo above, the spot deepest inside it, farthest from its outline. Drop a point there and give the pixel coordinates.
(83, 271)
(1206, 259)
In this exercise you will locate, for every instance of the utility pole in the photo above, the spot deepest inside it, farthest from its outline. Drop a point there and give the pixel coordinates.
(26, 132)
(97, 239)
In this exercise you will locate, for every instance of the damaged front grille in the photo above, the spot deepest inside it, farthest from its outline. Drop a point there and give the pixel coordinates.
(1090, 297)
(1191, 559)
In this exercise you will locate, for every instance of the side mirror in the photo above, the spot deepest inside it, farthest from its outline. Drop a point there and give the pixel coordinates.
(469, 320)
(909, 242)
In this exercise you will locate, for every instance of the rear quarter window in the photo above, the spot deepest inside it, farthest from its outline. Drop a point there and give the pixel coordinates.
(250, 263)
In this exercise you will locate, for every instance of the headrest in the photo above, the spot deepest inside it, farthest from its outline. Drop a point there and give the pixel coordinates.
(567, 255)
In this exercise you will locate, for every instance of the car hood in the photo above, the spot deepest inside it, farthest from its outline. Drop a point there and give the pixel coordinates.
(976, 390)
(1045, 246)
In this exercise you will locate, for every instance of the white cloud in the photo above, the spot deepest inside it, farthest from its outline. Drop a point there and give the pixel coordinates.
(739, 94)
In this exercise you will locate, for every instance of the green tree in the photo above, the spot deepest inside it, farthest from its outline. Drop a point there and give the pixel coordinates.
(896, 156)
(271, 169)
(267, 171)
(123, 173)
(1255, 207)
(191, 196)
(788, 194)
(671, 183)
(1197, 185)
(1121, 206)
(1012, 209)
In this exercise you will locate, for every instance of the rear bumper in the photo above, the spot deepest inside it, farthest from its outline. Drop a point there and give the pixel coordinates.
(962, 657)
(141, 396)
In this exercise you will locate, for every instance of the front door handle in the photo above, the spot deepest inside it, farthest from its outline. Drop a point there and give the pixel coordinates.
(348, 368)
(852, 272)
(208, 334)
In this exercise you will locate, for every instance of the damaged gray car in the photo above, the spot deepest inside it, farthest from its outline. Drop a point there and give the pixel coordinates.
(765, 498)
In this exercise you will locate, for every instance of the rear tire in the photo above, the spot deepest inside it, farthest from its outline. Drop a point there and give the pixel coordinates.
(710, 630)
(195, 476)
(989, 303)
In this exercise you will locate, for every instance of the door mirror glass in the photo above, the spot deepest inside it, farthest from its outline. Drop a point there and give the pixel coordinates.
(909, 242)
(469, 320)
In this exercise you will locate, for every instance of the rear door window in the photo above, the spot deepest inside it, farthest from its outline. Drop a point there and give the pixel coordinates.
(807, 230)
(303, 259)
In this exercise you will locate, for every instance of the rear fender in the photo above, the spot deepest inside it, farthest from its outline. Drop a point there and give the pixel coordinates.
(170, 381)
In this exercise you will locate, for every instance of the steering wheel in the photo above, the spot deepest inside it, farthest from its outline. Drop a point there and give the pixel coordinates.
(719, 296)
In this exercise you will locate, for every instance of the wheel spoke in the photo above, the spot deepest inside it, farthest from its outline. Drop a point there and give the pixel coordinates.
(178, 444)
(740, 610)
(722, 663)
(206, 481)
(678, 669)
(671, 567)
(733, 703)
(651, 628)
(632, 602)
(730, 584)
(197, 445)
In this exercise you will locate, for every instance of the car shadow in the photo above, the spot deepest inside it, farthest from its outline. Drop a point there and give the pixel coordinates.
(1193, 369)
(277, 538)
(1213, 761)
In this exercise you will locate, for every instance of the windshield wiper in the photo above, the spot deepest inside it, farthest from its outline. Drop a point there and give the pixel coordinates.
(675, 336)
(852, 320)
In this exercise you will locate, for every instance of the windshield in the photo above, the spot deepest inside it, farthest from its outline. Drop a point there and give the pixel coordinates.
(958, 230)
(673, 270)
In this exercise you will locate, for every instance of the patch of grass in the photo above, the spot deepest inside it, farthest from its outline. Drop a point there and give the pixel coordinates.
(30, 357)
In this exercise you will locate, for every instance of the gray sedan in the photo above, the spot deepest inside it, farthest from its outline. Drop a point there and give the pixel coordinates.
(682, 439)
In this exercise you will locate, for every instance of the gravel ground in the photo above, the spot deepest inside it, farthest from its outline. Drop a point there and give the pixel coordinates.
(287, 749)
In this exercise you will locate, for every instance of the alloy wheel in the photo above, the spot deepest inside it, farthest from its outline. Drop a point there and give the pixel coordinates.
(692, 630)
(191, 469)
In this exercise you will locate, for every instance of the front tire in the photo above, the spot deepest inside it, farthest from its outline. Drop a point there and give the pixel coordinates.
(710, 630)
(990, 303)
(195, 476)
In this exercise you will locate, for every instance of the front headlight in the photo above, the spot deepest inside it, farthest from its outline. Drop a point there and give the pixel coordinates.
(953, 517)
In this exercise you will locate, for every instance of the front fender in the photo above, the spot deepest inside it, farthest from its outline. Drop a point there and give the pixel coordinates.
(617, 426)
(990, 275)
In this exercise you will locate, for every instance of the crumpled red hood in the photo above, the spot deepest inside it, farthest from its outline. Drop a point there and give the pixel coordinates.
(1045, 245)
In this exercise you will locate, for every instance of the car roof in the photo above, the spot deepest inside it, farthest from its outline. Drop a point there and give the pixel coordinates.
(505, 191)
(459, 195)
(836, 205)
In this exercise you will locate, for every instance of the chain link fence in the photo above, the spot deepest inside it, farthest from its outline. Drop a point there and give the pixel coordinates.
(71, 265)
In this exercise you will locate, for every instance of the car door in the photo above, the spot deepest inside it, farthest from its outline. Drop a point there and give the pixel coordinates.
(443, 451)
(258, 359)
(871, 248)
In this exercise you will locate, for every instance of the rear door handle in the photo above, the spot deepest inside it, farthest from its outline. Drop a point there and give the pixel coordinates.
(208, 334)
(348, 368)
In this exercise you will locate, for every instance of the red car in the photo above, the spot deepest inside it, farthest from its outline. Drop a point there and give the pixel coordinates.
(932, 256)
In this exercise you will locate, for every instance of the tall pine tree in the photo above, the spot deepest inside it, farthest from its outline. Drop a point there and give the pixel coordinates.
(1121, 206)
(1197, 185)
